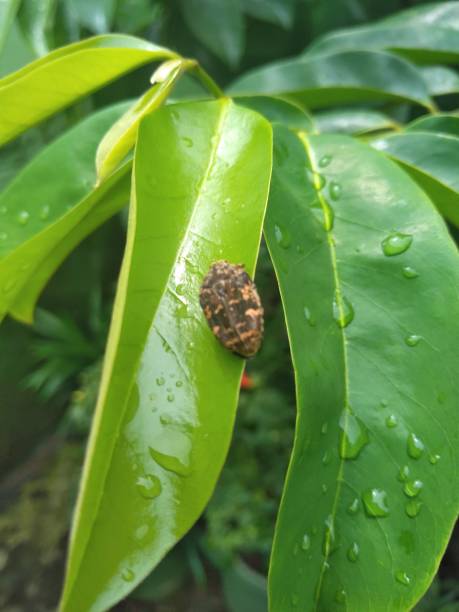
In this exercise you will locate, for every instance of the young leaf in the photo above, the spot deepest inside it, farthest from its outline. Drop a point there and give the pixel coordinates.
(431, 159)
(40, 208)
(169, 389)
(47, 85)
(368, 277)
(344, 77)
(120, 138)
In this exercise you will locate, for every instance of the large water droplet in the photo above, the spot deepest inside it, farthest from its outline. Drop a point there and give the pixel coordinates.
(391, 421)
(306, 542)
(403, 473)
(335, 190)
(396, 243)
(409, 272)
(354, 506)
(170, 463)
(127, 575)
(412, 488)
(413, 507)
(23, 217)
(325, 161)
(353, 552)
(414, 446)
(44, 212)
(282, 237)
(403, 578)
(343, 311)
(353, 435)
(309, 317)
(375, 503)
(413, 340)
(149, 486)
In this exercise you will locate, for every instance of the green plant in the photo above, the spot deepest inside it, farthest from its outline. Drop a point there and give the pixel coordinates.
(367, 272)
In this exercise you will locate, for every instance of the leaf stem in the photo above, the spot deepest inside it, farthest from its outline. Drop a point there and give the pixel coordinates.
(205, 79)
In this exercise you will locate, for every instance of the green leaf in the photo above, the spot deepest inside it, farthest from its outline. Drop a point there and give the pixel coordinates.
(278, 110)
(41, 206)
(440, 122)
(169, 390)
(353, 121)
(279, 12)
(443, 14)
(344, 77)
(36, 20)
(95, 15)
(373, 321)
(8, 9)
(431, 159)
(120, 138)
(49, 84)
(217, 25)
(440, 80)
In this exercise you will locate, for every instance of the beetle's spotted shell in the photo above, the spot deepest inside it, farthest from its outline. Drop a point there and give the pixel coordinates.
(232, 307)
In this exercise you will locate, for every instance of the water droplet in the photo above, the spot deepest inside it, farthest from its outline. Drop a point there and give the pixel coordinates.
(396, 243)
(329, 542)
(306, 542)
(354, 507)
(434, 458)
(403, 474)
(3, 210)
(341, 596)
(412, 488)
(343, 311)
(415, 446)
(308, 316)
(391, 421)
(326, 458)
(141, 532)
(324, 428)
(179, 383)
(295, 600)
(128, 575)
(169, 462)
(409, 272)
(299, 249)
(187, 141)
(44, 212)
(335, 190)
(190, 345)
(413, 507)
(375, 503)
(403, 578)
(160, 381)
(165, 419)
(170, 397)
(353, 435)
(325, 161)
(282, 237)
(296, 550)
(353, 552)
(181, 288)
(324, 489)
(23, 217)
(9, 285)
(412, 339)
(384, 403)
(3, 236)
(149, 486)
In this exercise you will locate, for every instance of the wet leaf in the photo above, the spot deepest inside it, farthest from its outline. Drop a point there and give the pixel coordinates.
(353, 121)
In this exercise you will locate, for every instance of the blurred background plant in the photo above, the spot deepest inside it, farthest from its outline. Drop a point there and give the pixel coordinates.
(49, 373)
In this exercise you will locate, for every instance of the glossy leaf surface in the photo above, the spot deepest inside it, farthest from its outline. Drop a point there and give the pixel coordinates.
(8, 10)
(40, 208)
(49, 84)
(431, 159)
(368, 277)
(278, 110)
(169, 390)
(281, 12)
(353, 121)
(440, 80)
(337, 78)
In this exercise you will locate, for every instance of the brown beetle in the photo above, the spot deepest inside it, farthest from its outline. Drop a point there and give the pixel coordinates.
(232, 307)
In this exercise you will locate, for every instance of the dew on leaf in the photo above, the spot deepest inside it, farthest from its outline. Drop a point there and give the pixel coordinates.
(188, 142)
(165, 419)
(340, 596)
(403, 578)
(391, 421)
(415, 446)
(354, 506)
(282, 237)
(309, 317)
(325, 161)
(318, 181)
(306, 542)
(329, 542)
(409, 272)
(44, 212)
(179, 383)
(396, 243)
(324, 488)
(335, 190)
(384, 403)
(170, 397)
(413, 508)
(295, 599)
(169, 462)
(160, 381)
(412, 488)
(434, 458)
(353, 552)
(326, 458)
(343, 311)
(128, 575)
(23, 217)
(149, 486)
(375, 503)
(403, 473)
(353, 436)
(412, 340)
(324, 428)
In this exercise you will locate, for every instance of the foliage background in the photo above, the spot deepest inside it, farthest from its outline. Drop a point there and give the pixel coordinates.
(49, 379)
